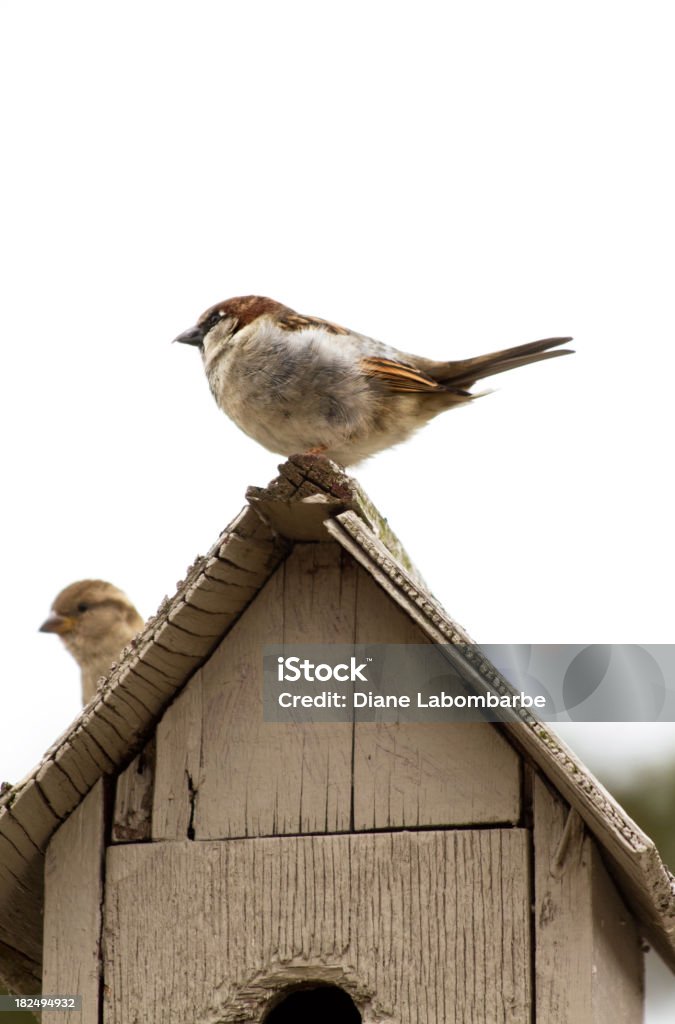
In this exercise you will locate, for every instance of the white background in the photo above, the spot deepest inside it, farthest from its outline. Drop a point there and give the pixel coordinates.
(450, 178)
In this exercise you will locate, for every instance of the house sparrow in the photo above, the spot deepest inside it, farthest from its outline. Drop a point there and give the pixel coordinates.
(96, 621)
(300, 384)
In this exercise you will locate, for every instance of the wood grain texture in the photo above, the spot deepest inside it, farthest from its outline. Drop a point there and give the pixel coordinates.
(73, 899)
(413, 774)
(425, 928)
(33, 815)
(618, 959)
(178, 739)
(282, 778)
(305, 477)
(588, 958)
(82, 776)
(57, 789)
(222, 777)
(132, 814)
(221, 769)
(299, 519)
(19, 927)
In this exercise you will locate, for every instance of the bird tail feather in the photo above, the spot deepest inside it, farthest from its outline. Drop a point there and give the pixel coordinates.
(463, 373)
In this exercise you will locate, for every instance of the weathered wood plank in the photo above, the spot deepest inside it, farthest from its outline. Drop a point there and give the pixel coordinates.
(163, 684)
(253, 554)
(241, 775)
(89, 751)
(128, 717)
(16, 834)
(165, 655)
(19, 918)
(57, 789)
(105, 734)
(218, 570)
(179, 642)
(73, 897)
(189, 617)
(33, 814)
(218, 596)
(132, 815)
(419, 928)
(82, 774)
(618, 959)
(588, 958)
(413, 774)
(178, 740)
(319, 606)
(299, 518)
(144, 705)
(306, 477)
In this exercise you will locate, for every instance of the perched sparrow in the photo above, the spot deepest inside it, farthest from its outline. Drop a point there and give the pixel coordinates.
(96, 621)
(300, 384)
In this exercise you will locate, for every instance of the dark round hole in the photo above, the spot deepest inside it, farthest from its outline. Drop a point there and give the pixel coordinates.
(326, 1003)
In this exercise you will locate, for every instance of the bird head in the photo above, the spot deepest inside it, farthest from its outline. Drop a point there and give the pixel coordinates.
(90, 616)
(219, 323)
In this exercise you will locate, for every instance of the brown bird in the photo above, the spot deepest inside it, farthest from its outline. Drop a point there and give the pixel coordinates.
(301, 384)
(96, 621)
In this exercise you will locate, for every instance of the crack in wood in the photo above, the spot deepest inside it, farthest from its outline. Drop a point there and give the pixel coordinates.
(192, 800)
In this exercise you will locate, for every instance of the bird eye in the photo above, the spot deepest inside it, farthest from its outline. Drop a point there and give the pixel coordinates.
(83, 606)
(215, 317)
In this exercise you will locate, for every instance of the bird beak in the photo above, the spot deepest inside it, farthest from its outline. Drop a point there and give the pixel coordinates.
(56, 623)
(193, 336)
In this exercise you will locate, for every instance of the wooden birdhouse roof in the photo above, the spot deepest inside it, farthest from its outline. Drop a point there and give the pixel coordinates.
(311, 500)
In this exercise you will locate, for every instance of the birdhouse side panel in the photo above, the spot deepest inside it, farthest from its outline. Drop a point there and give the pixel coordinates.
(618, 957)
(589, 962)
(73, 901)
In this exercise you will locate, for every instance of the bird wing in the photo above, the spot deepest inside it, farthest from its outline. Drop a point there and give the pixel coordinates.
(296, 322)
(392, 375)
(397, 376)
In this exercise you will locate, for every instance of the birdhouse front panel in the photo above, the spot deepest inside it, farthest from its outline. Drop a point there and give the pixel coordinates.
(229, 773)
(419, 928)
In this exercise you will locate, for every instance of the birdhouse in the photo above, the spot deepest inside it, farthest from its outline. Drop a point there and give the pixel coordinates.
(204, 864)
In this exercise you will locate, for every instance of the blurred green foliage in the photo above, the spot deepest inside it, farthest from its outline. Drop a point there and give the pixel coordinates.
(650, 800)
